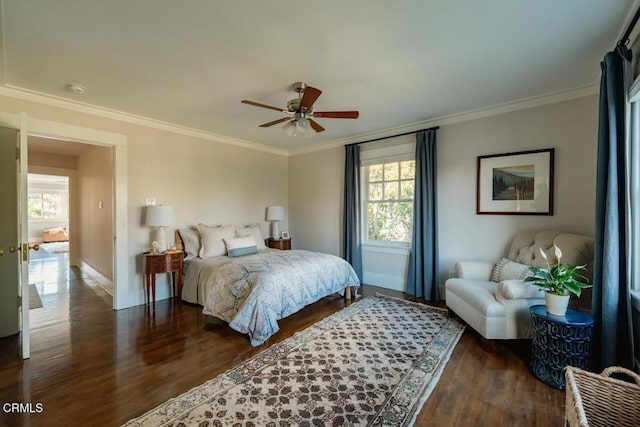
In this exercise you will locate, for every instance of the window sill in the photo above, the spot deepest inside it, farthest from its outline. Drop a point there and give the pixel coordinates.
(386, 249)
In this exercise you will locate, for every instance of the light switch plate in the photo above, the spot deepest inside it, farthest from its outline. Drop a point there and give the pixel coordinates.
(150, 201)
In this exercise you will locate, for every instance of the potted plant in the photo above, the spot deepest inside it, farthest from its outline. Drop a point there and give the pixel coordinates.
(558, 282)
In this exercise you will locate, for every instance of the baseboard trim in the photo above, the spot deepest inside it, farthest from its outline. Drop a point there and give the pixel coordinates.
(97, 277)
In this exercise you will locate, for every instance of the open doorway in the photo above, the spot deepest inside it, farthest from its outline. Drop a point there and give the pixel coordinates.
(48, 214)
(78, 218)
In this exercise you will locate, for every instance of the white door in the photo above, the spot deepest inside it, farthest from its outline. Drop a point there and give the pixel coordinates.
(9, 237)
(14, 248)
(23, 232)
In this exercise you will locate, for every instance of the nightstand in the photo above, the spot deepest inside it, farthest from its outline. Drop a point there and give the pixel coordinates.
(282, 244)
(168, 262)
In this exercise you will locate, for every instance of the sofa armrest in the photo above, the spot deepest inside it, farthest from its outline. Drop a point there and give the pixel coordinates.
(517, 289)
(477, 270)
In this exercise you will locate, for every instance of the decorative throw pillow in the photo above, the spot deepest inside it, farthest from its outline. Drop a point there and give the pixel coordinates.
(252, 230)
(212, 240)
(240, 246)
(191, 242)
(505, 269)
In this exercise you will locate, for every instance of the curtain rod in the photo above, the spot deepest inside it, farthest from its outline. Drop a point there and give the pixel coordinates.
(393, 136)
(625, 37)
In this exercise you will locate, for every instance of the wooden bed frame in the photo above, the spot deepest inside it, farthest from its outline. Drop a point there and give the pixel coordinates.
(180, 246)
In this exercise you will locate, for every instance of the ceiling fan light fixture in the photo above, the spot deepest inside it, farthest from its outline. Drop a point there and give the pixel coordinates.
(298, 128)
(303, 123)
(290, 128)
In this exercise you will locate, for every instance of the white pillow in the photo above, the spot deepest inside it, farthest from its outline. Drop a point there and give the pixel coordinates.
(240, 246)
(505, 269)
(191, 242)
(252, 230)
(212, 240)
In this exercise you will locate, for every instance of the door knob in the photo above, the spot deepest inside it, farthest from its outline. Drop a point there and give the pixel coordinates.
(35, 246)
(1, 252)
(12, 249)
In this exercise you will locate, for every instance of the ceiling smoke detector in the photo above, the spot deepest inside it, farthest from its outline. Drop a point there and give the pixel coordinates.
(77, 88)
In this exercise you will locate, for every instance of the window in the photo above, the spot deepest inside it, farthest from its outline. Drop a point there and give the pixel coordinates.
(389, 200)
(45, 205)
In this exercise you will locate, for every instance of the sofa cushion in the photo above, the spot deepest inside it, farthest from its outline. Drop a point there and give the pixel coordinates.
(506, 269)
(476, 270)
(517, 289)
(480, 294)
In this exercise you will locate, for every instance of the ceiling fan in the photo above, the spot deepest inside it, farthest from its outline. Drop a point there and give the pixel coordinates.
(301, 114)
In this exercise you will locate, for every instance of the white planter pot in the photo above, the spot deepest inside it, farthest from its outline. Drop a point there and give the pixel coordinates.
(556, 304)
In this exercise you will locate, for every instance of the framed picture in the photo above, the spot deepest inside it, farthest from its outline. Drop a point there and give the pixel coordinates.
(515, 183)
(285, 235)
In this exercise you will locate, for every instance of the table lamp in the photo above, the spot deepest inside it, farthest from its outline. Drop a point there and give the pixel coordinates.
(160, 217)
(275, 214)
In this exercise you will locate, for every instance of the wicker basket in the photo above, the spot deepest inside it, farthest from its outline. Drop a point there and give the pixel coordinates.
(598, 400)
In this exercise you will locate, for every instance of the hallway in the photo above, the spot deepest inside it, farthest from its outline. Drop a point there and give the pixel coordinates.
(63, 291)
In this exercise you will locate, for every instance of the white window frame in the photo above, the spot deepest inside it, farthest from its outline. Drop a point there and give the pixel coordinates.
(396, 153)
(63, 213)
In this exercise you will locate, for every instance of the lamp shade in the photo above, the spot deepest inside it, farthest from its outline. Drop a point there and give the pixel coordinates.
(275, 213)
(159, 216)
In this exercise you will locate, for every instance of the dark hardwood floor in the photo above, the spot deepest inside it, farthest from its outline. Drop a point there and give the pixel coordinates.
(94, 366)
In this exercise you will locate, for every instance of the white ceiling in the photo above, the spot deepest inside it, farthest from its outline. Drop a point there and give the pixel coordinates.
(398, 62)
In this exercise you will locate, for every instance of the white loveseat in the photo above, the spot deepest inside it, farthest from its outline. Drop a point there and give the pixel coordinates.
(500, 310)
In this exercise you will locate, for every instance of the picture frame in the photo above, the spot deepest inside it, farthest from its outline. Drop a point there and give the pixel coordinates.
(519, 183)
(285, 235)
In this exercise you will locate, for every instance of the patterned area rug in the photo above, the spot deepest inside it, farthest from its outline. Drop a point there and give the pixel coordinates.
(373, 363)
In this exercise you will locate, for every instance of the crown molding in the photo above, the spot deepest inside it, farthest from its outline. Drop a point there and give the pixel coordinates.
(479, 113)
(52, 101)
(551, 98)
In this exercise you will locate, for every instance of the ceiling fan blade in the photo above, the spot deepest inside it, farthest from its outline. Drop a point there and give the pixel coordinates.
(309, 97)
(315, 125)
(337, 114)
(257, 104)
(275, 122)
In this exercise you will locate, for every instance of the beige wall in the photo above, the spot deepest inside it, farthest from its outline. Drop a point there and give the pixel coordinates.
(570, 127)
(52, 160)
(206, 181)
(315, 200)
(95, 209)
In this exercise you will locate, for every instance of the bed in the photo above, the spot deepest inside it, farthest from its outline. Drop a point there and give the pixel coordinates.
(252, 292)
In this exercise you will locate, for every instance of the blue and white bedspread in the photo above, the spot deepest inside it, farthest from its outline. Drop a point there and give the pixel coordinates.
(253, 292)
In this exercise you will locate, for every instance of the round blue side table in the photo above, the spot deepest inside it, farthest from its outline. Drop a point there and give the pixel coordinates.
(559, 341)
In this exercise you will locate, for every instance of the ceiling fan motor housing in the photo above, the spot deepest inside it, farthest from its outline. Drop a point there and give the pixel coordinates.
(293, 105)
(299, 86)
